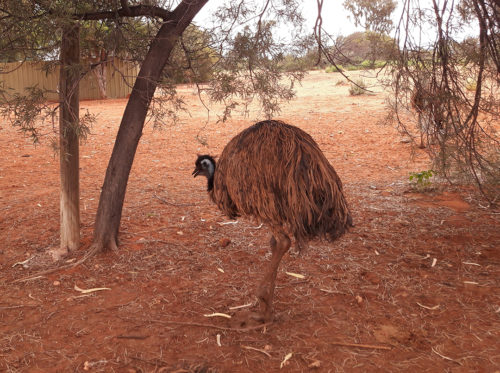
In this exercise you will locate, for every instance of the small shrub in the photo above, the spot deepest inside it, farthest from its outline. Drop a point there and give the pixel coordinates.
(470, 84)
(333, 69)
(421, 180)
(366, 64)
(352, 67)
(357, 89)
(363, 65)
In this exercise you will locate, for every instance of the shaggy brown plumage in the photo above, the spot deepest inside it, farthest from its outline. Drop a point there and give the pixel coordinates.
(276, 173)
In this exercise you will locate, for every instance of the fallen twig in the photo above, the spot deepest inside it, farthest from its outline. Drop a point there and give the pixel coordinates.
(18, 306)
(86, 291)
(361, 345)
(90, 253)
(445, 357)
(171, 203)
(242, 306)
(218, 314)
(333, 291)
(23, 262)
(228, 222)
(296, 275)
(285, 360)
(256, 349)
(203, 325)
(132, 336)
(472, 264)
(31, 278)
(80, 296)
(429, 308)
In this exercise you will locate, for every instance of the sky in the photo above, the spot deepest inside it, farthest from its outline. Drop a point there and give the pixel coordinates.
(335, 18)
(338, 21)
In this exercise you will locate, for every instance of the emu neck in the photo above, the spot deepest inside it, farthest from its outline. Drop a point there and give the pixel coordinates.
(210, 177)
(210, 184)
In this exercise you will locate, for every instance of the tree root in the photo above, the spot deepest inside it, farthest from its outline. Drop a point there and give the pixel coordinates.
(93, 250)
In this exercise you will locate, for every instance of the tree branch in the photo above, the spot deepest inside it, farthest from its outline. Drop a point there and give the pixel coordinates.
(126, 11)
(125, 6)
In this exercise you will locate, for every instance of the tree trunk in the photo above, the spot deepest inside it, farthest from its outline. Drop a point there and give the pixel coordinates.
(115, 183)
(100, 76)
(100, 72)
(68, 139)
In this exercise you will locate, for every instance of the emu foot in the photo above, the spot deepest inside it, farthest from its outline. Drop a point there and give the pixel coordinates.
(262, 317)
(265, 297)
(249, 320)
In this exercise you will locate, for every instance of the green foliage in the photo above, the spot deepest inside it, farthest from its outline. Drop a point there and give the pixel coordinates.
(334, 69)
(238, 53)
(369, 64)
(192, 60)
(364, 65)
(26, 34)
(421, 180)
(30, 111)
(470, 85)
(357, 51)
(23, 111)
(373, 15)
(367, 46)
(252, 69)
(462, 127)
(357, 88)
(292, 63)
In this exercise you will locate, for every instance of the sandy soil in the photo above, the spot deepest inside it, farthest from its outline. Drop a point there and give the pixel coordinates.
(414, 286)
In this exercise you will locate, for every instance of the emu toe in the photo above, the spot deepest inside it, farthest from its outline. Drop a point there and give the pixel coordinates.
(248, 320)
(261, 317)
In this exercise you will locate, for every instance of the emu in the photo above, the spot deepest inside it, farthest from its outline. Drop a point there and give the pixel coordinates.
(276, 173)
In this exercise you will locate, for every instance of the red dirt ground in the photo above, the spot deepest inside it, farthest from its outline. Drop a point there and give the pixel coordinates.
(415, 284)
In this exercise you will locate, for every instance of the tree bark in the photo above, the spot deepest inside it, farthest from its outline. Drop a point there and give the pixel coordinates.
(113, 191)
(99, 68)
(68, 139)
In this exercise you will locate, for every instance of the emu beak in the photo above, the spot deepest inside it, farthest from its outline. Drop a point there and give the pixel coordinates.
(196, 172)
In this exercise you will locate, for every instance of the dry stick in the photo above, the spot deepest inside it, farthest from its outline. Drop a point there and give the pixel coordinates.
(87, 255)
(203, 325)
(445, 357)
(256, 349)
(172, 203)
(132, 336)
(154, 361)
(361, 345)
(18, 306)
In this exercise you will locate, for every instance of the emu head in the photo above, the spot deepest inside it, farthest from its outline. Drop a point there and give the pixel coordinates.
(205, 165)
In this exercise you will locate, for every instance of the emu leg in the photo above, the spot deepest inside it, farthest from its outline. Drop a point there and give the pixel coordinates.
(280, 243)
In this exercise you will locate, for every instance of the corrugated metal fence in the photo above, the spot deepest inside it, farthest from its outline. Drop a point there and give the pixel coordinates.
(16, 77)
